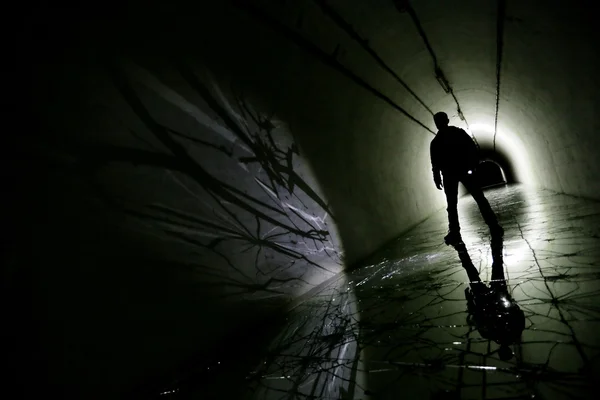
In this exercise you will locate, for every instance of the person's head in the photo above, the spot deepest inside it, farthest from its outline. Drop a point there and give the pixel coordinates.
(441, 120)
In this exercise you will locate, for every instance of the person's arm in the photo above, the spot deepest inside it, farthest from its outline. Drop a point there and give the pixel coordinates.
(435, 166)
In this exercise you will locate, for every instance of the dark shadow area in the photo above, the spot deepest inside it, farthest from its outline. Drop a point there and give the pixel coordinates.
(503, 160)
(116, 283)
(490, 174)
(96, 314)
(223, 373)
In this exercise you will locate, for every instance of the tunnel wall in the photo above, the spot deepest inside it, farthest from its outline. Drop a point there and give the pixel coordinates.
(545, 53)
(196, 169)
(550, 92)
(371, 160)
(185, 192)
(170, 214)
(137, 161)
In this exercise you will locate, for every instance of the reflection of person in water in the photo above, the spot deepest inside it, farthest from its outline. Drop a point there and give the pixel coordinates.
(491, 309)
(456, 156)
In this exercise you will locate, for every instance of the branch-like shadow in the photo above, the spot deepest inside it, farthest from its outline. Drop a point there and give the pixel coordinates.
(400, 328)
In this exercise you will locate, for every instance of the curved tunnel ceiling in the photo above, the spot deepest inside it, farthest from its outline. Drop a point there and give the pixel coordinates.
(357, 84)
(520, 73)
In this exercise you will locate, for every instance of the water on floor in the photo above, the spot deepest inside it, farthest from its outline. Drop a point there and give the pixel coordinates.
(416, 322)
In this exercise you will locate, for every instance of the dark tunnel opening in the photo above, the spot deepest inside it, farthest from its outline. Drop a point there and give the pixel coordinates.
(199, 186)
(490, 174)
(495, 168)
(499, 164)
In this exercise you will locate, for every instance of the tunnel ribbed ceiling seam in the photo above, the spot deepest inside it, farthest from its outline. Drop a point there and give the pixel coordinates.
(321, 55)
(347, 27)
(404, 6)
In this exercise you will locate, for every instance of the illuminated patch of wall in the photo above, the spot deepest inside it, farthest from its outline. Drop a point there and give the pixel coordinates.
(213, 182)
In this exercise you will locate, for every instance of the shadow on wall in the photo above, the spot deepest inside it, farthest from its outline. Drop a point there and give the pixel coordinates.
(175, 223)
(239, 195)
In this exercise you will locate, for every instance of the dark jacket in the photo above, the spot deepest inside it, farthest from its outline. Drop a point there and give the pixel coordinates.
(453, 151)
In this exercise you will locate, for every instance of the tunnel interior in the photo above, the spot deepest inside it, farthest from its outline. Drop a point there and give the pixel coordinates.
(191, 171)
(491, 174)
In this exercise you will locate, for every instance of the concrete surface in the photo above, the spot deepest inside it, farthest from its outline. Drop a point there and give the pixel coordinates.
(199, 166)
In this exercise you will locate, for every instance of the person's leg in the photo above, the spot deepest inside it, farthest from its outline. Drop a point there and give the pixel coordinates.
(451, 191)
(484, 206)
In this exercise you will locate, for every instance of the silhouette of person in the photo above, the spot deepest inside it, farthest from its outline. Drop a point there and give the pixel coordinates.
(491, 309)
(455, 156)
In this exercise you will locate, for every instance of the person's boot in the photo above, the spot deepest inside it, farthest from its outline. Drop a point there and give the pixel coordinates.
(453, 238)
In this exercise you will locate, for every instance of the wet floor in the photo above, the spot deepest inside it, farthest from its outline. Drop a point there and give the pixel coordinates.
(416, 322)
